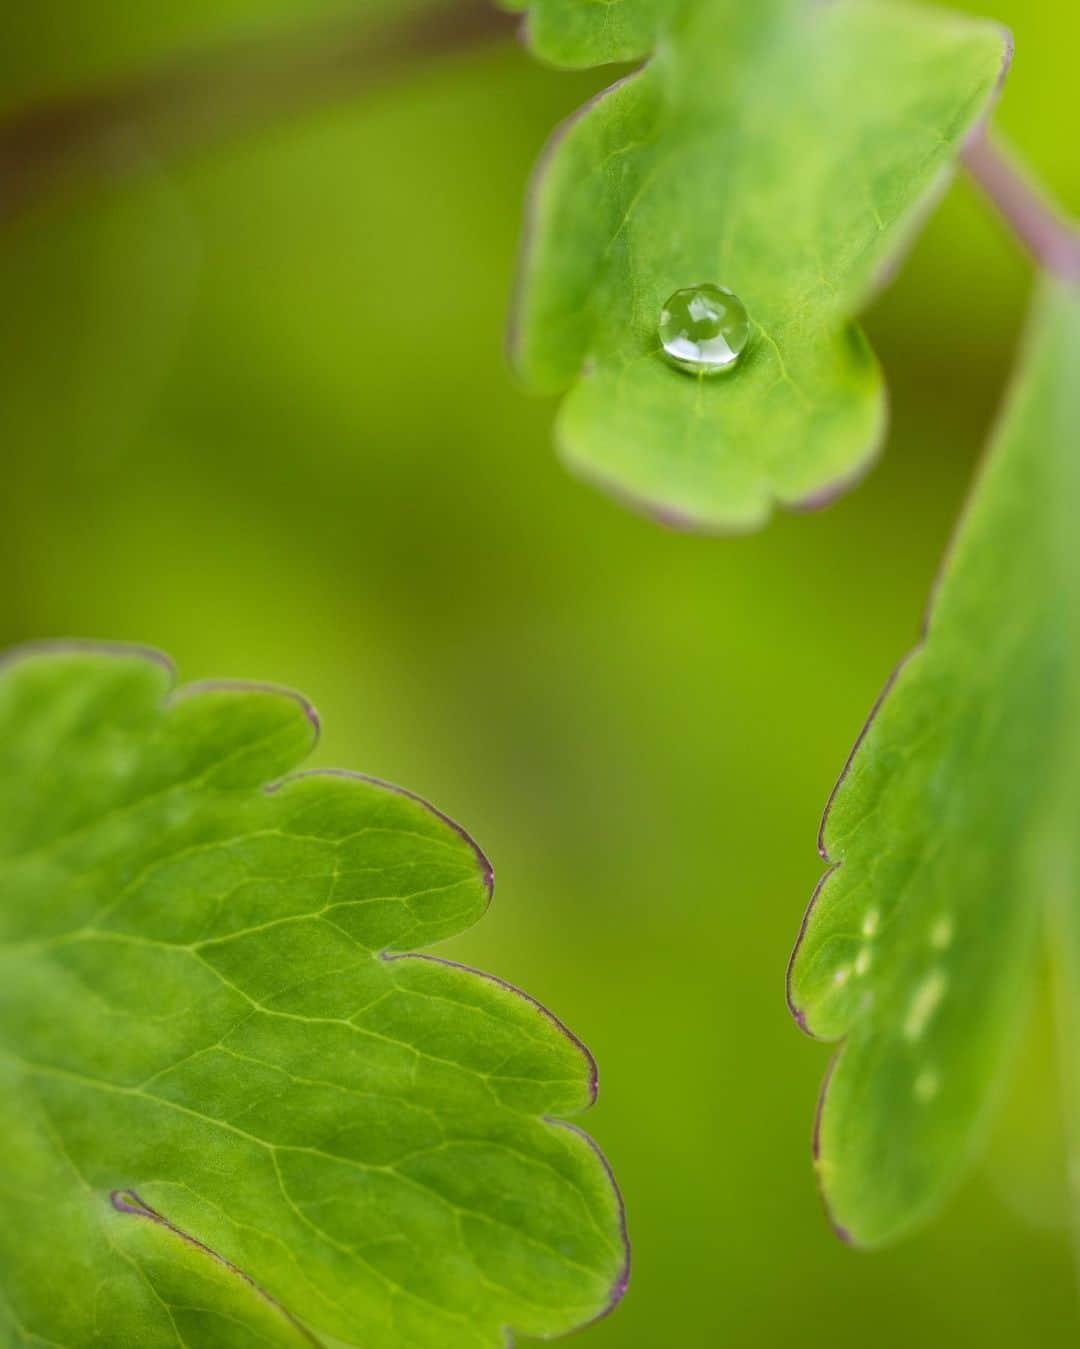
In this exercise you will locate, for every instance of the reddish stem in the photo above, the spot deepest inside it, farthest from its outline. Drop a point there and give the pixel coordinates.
(1052, 240)
(189, 101)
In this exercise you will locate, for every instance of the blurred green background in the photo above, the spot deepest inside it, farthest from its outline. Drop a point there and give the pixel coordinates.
(255, 411)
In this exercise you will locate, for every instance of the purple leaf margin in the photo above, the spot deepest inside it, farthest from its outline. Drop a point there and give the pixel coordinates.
(127, 1200)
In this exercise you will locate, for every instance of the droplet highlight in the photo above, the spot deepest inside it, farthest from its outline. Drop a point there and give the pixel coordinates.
(941, 934)
(704, 329)
(925, 1003)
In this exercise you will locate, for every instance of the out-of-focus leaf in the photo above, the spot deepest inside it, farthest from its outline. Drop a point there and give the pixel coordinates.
(783, 150)
(236, 1111)
(581, 33)
(954, 830)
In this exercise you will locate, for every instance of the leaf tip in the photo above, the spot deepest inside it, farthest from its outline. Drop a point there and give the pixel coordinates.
(253, 686)
(1008, 53)
(798, 1012)
(1008, 42)
(592, 1069)
(622, 1279)
(81, 646)
(487, 871)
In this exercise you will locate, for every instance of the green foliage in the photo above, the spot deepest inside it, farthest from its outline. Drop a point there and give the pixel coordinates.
(581, 33)
(953, 832)
(234, 1113)
(783, 150)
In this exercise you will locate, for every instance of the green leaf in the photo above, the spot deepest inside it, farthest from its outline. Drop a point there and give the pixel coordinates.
(784, 150)
(581, 33)
(954, 826)
(235, 1112)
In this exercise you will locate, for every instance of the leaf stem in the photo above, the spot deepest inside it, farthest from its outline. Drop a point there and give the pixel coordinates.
(1052, 240)
(237, 87)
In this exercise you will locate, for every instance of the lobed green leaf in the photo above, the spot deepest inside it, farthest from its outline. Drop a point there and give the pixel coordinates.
(784, 150)
(237, 1109)
(953, 831)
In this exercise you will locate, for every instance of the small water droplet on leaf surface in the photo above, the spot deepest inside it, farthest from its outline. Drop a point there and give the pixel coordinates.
(704, 329)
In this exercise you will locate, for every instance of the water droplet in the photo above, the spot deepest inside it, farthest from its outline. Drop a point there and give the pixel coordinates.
(926, 1085)
(870, 923)
(704, 329)
(941, 934)
(841, 976)
(862, 961)
(925, 1003)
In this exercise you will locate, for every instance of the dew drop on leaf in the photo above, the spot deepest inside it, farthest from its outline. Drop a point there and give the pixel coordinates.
(704, 329)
